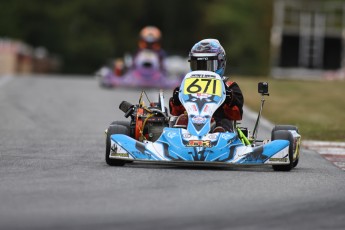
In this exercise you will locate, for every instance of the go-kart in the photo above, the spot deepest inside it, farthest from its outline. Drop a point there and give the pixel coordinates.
(153, 136)
(146, 72)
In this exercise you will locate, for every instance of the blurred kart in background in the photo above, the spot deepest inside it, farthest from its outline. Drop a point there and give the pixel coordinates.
(146, 71)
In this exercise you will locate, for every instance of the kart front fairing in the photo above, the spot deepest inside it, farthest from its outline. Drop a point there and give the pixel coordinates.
(177, 145)
(201, 93)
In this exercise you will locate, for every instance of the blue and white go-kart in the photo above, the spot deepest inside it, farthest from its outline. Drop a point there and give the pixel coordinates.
(153, 136)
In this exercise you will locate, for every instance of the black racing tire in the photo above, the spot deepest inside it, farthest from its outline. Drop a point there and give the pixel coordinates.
(296, 162)
(123, 123)
(287, 127)
(284, 135)
(114, 129)
(126, 124)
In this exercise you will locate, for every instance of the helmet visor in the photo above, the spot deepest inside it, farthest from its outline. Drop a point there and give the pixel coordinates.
(203, 63)
(209, 65)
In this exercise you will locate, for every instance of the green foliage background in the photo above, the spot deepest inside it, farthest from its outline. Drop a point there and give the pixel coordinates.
(87, 33)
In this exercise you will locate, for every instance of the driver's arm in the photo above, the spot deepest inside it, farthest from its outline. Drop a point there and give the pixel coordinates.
(175, 106)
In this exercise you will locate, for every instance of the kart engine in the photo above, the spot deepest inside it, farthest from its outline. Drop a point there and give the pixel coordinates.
(147, 123)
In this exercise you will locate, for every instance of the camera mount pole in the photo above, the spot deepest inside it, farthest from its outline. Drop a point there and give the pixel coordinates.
(254, 135)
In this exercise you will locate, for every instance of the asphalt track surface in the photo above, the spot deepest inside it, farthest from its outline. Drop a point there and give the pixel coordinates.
(53, 174)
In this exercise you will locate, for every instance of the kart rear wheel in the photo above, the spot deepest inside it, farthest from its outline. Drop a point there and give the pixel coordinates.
(284, 135)
(123, 123)
(114, 129)
(286, 127)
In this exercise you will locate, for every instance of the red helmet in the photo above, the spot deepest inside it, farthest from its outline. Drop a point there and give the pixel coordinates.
(150, 37)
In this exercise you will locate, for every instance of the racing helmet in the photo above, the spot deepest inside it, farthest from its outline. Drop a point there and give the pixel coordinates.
(209, 55)
(150, 37)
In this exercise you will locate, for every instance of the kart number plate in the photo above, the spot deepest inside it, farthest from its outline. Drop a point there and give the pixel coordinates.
(203, 86)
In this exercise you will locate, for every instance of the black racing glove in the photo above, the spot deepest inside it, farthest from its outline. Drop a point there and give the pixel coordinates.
(175, 99)
(229, 95)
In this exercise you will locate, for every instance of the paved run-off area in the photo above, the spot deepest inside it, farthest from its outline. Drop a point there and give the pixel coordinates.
(332, 151)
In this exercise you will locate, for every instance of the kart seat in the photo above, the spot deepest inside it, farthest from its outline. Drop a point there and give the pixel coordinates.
(181, 121)
(218, 129)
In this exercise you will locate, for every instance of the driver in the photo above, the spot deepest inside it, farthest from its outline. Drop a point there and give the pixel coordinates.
(209, 55)
(150, 39)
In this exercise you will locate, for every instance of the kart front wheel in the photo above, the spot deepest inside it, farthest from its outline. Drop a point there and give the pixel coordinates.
(286, 127)
(284, 135)
(114, 129)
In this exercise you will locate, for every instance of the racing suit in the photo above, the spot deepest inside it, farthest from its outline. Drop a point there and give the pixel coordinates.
(230, 110)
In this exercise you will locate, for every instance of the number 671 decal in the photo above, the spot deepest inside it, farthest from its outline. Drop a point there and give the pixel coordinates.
(203, 86)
